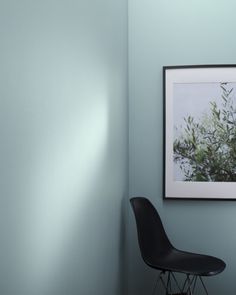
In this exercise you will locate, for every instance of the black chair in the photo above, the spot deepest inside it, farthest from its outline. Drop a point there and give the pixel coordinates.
(158, 253)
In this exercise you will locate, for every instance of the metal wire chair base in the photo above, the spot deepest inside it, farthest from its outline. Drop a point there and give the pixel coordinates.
(171, 285)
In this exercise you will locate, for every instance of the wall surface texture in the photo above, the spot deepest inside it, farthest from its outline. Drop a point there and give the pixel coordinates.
(64, 139)
(165, 33)
(63, 152)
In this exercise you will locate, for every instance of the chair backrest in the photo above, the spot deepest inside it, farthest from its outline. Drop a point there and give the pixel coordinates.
(153, 241)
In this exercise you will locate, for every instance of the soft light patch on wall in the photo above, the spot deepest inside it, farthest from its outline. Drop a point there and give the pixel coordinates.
(66, 165)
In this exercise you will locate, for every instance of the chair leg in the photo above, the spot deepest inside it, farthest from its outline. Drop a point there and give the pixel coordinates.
(159, 278)
(168, 280)
(167, 284)
(203, 285)
(190, 285)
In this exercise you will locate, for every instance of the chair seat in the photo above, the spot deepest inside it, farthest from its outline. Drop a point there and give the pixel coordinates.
(186, 262)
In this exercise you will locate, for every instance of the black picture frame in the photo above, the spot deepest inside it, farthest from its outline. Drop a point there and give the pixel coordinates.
(192, 93)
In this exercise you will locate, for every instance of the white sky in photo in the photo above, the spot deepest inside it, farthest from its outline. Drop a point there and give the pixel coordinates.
(194, 99)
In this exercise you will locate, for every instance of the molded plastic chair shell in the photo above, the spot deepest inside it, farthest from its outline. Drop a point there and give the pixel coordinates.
(158, 252)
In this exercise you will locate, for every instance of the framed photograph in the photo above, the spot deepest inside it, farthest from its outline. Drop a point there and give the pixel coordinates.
(200, 132)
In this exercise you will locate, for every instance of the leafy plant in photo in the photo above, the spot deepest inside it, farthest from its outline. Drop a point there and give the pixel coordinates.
(206, 148)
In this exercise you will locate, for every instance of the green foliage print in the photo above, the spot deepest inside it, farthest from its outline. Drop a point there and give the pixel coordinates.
(205, 150)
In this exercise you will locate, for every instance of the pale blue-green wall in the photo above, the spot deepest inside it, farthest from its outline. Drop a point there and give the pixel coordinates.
(63, 152)
(165, 32)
